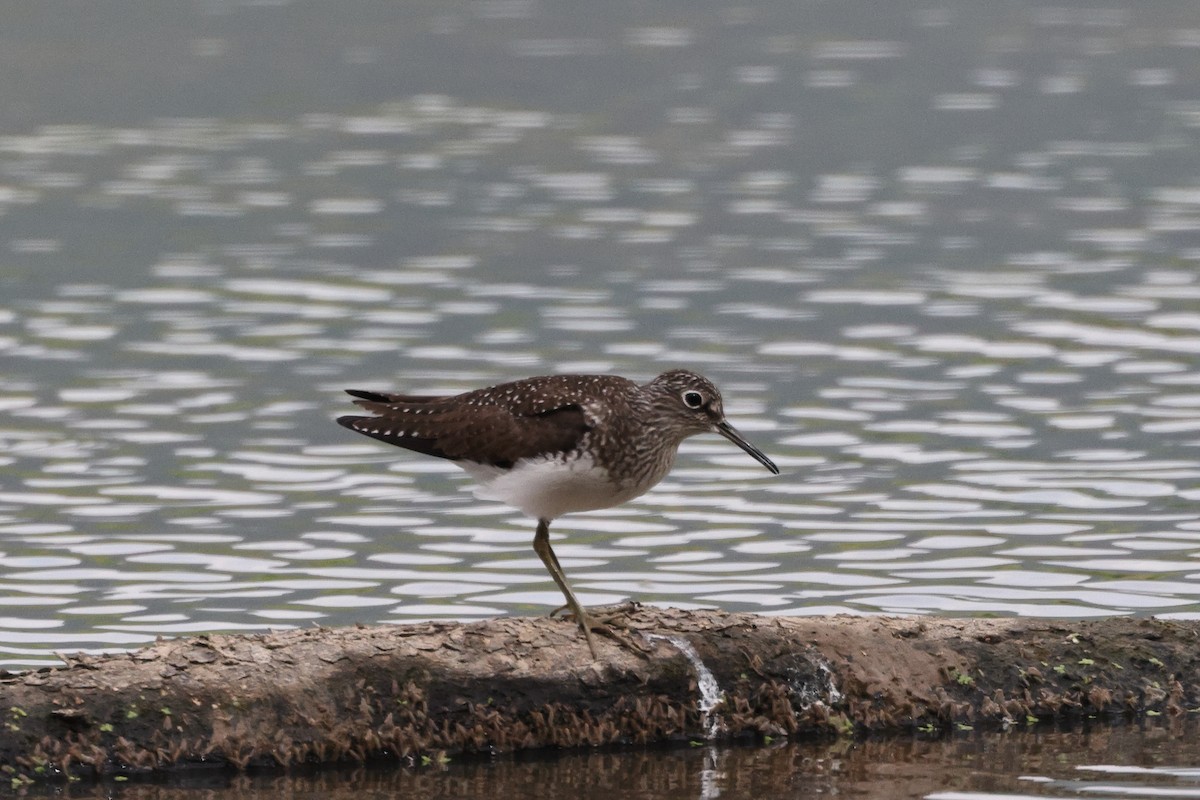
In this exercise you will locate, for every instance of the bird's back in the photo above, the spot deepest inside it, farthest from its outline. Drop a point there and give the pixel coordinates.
(496, 426)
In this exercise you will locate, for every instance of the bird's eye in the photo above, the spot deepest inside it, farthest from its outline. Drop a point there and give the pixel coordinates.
(693, 399)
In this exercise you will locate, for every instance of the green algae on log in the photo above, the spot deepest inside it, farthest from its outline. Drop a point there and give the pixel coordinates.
(423, 691)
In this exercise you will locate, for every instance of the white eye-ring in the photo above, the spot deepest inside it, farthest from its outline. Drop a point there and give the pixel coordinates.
(693, 399)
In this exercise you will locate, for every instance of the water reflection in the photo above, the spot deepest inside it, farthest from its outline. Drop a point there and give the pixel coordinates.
(957, 308)
(1151, 762)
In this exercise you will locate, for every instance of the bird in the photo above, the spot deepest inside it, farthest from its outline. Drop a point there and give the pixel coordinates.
(555, 444)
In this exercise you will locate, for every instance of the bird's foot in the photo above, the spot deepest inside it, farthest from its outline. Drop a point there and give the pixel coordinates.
(610, 621)
(599, 617)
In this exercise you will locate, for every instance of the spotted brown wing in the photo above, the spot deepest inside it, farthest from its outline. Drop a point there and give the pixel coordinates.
(467, 427)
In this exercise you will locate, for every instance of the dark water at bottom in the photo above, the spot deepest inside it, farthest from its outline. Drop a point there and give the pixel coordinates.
(1158, 759)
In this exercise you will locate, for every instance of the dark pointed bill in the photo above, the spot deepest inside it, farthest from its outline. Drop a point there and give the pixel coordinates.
(730, 433)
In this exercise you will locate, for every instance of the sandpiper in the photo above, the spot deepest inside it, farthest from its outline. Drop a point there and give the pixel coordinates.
(554, 444)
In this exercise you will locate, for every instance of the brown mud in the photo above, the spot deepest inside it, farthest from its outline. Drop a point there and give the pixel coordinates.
(420, 693)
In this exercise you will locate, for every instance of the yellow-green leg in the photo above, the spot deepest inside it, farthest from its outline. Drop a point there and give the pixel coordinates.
(541, 546)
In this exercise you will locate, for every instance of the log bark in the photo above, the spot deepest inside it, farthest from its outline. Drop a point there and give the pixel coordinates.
(427, 691)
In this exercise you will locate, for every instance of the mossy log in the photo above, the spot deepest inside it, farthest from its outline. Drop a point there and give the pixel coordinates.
(421, 691)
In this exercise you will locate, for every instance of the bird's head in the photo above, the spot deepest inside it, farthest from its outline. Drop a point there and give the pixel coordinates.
(690, 403)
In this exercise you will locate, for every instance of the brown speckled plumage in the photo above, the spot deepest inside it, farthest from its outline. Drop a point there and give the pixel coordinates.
(555, 444)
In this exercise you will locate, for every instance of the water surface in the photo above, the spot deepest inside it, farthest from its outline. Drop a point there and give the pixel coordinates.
(942, 261)
(1020, 765)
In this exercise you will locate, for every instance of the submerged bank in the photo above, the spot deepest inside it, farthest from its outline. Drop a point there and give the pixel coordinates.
(422, 691)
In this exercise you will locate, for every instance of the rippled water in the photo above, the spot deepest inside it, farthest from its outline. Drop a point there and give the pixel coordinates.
(943, 263)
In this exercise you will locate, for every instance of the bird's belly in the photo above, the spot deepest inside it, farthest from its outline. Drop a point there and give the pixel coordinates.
(547, 488)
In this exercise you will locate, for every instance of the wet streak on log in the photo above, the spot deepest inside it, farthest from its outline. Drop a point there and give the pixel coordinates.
(413, 691)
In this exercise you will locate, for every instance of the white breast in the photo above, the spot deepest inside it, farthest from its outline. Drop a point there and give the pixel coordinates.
(547, 488)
